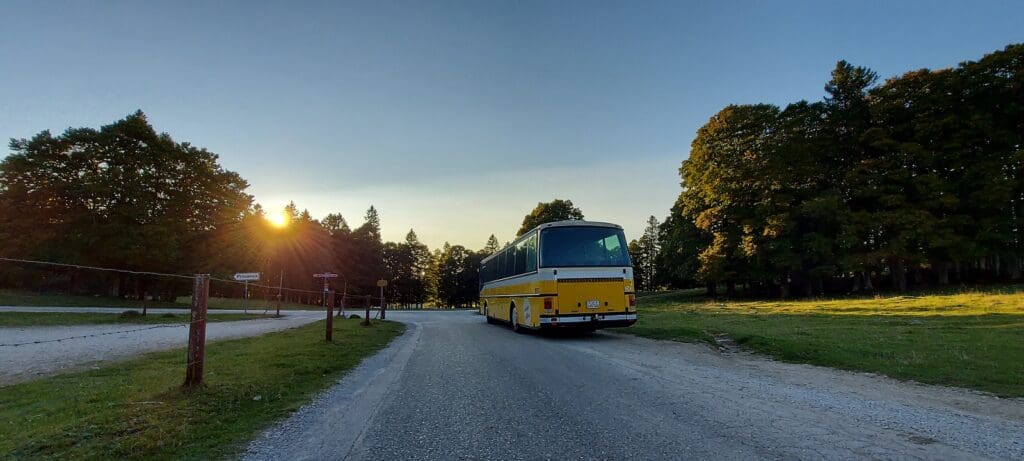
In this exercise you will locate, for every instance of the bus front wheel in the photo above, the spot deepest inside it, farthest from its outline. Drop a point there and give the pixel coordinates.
(487, 315)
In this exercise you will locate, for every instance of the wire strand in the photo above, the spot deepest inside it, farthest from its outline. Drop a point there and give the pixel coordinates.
(107, 269)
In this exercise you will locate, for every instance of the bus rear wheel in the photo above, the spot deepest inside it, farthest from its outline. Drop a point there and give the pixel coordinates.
(515, 320)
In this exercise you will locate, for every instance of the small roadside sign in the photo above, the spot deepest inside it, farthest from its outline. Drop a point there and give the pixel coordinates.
(247, 276)
(382, 283)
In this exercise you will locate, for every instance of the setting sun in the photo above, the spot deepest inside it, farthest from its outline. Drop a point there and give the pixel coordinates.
(277, 219)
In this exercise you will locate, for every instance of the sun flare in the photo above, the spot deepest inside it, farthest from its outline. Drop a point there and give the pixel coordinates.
(277, 219)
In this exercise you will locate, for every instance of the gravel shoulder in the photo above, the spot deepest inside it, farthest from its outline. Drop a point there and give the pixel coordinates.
(28, 353)
(454, 387)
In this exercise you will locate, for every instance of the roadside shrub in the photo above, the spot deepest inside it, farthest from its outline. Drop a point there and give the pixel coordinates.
(130, 314)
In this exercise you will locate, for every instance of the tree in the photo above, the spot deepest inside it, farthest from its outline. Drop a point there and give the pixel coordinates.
(644, 254)
(492, 245)
(419, 262)
(368, 254)
(458, 279)
(121, 196)
(335, 224)
(723, 180)
(555, 210)
(681, 243)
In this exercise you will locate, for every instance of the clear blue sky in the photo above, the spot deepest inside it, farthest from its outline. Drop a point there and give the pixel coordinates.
(456, 118)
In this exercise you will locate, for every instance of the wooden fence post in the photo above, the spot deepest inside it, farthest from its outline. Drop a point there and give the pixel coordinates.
(197, 331)
(329, 301)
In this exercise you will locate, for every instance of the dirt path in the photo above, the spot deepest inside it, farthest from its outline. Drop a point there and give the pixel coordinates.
(28, 353)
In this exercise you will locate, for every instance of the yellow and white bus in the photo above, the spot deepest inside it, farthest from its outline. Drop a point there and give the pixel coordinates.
(560, 275)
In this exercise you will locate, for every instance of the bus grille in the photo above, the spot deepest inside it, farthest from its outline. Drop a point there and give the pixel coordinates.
(591, 280)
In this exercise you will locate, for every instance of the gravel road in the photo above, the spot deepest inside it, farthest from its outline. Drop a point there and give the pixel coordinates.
(454, 387)
(39, 353)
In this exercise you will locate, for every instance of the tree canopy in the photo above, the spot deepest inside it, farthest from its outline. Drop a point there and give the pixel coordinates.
(125, 197)
(545, 212)
(915, 181)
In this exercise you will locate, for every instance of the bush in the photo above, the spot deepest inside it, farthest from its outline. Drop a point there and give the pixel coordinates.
(130, 314)
(354, 316)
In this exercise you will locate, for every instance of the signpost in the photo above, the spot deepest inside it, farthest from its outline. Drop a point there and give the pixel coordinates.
(383, 307)
(246, 277)
(328, 302)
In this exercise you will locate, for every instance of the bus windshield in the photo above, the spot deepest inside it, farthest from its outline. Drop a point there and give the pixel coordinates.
(583, 246)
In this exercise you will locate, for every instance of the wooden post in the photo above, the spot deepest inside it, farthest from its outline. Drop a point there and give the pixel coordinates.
(366, 320)
(280, 285)
(329, 302)
(197, 331)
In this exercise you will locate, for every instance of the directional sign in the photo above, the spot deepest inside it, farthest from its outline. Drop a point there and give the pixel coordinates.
(247, 276)
(382, 283)
(325, 275)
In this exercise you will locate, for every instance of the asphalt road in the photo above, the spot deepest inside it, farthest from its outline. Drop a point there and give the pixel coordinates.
(454, 387)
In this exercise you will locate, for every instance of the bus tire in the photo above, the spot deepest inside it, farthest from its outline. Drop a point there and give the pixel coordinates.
(514, 319)
(487, 315)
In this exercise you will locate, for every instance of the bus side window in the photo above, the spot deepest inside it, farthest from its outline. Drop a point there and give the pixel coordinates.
(521, 257)
(531, 253)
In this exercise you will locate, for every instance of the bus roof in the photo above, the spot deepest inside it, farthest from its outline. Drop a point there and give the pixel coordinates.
(567, 223)
(574, 222)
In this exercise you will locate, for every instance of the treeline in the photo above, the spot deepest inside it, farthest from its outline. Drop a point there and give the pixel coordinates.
(914, 182)
(126, 197)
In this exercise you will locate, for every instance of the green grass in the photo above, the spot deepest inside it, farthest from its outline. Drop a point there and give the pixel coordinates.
(32, 319)
(971, 339)
(137, 409)
(21, 298)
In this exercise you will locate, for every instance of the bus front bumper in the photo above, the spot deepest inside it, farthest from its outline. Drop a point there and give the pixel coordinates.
(609, 320)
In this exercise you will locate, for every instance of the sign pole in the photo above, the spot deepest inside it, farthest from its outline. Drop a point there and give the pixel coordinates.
(245, 278)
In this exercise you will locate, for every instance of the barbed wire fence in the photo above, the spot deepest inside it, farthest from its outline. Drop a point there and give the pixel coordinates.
(199, 306)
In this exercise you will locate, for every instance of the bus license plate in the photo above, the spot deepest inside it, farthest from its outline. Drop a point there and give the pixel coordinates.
(593, 304)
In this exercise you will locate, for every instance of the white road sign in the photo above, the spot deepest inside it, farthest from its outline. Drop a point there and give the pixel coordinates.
(247, 276)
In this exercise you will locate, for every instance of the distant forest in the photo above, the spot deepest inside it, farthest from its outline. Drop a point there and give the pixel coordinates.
(912, 183)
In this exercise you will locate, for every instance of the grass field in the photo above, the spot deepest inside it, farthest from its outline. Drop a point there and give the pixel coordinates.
(21, 298)
(136, 409)
(32, 319)
(969, 339)
(254, 304)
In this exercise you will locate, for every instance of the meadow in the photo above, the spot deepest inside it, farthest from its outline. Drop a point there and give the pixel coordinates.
(972, 338)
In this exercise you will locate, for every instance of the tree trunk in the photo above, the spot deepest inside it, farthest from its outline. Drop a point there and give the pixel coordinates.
(784, 289)
(942, 272)
(817, 285)
(712, 289)
(730, 288)
(899, 275)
